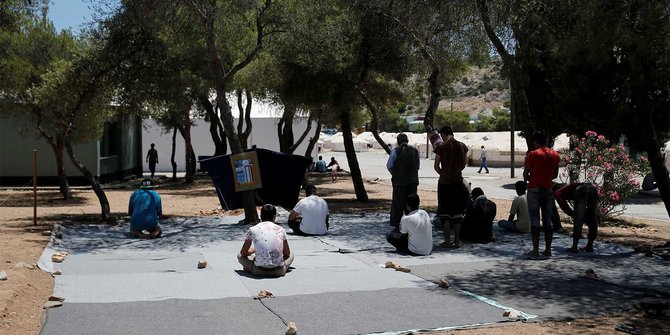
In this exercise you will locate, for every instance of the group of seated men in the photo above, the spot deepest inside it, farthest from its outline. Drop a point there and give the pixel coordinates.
(266, 252)
(414, 234)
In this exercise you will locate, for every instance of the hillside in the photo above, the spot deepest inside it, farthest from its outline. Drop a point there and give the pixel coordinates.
(481, 88)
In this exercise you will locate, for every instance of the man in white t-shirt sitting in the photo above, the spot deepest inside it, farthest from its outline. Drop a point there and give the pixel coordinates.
(270, 255)
(520, 210)
(310, 215)
(415, 236)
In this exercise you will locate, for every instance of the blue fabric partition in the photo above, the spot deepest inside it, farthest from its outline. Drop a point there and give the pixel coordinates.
(281, 176)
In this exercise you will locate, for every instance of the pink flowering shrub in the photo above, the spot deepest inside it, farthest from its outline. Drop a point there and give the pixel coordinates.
(595, 160)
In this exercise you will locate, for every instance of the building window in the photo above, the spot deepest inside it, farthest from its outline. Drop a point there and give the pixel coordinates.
(110, 144)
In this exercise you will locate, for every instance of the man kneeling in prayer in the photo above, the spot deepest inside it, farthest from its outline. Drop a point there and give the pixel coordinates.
(310, 216)
(415, 236)
(145, 209)
(270, 255)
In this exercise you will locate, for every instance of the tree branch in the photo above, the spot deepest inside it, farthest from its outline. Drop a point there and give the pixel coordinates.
(374, 124)
(420, 44)
(260, 16)
(247, 115)
(240, 108)
(41, 130)
(310, 119)
(497, 43)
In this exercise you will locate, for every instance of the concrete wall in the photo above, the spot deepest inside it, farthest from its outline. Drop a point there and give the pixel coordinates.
(17, 144)
(263, 135)
(16, 150)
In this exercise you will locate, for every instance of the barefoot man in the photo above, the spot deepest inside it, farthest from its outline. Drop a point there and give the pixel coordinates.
(452, 195)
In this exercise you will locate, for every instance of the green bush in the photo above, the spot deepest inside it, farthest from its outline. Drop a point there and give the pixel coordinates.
(459, 121)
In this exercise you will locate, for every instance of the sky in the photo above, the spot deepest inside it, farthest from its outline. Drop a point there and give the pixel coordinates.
(70, 14)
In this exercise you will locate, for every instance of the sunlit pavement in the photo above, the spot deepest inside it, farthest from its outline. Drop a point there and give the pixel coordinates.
(497, 184)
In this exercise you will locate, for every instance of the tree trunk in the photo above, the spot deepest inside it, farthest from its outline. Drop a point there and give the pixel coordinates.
(355, 170)
(220, 146)
(221, 81)
(523, 121)
(95, 184)
(435, 96)
(658, 168)
(244, 120)
(185, 132)
(64, 186)
(302, 137)
(374, 123)
(517, 79)
(248, 197)
(285, 129)
(315, 138)
(172, 160)
(58, 146)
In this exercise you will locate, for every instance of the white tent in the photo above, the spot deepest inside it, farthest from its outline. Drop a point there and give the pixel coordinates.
(562, 142)
(366, 136)
(337, 144)
(416, 139)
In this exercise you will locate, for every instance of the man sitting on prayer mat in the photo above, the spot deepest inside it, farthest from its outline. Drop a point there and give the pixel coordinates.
(310, 215)
(270, 255)
(415, 235)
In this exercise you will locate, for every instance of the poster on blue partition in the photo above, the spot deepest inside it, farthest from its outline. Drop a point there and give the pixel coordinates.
(246, 171)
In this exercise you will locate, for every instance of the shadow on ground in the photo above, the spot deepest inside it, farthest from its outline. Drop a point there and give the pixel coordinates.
(44, 199)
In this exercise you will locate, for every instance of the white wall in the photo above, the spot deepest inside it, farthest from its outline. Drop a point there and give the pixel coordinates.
(263, 135)
(16, 153)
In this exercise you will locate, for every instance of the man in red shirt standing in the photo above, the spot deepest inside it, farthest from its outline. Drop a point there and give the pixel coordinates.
(540, 169)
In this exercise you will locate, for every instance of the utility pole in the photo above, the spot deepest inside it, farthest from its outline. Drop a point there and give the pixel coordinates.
(34, 187)
(512, 137)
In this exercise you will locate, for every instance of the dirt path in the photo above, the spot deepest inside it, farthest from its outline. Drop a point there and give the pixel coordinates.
(26, 290)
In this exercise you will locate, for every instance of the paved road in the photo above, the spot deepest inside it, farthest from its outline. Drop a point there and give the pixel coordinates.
(497, 184)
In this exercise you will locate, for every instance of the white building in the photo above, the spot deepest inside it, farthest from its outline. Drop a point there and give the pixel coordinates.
(265, 118)
(114, 156)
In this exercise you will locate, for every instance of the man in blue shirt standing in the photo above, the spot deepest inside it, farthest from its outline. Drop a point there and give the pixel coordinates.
(403, 164)
(144, 209)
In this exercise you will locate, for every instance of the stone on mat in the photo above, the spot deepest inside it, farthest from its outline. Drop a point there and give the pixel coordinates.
(202, 264)
(390, 265)
(3, 275)
(57, 272)
(58, 256)
(511, 314)
(402, 269)
(265, 294)
(444, 283)
(52, 304)
(396, 266)
(55, 298)
(291, 329)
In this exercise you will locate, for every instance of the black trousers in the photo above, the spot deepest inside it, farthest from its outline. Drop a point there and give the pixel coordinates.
(295, 226)
(399, 241)
(400, 193)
